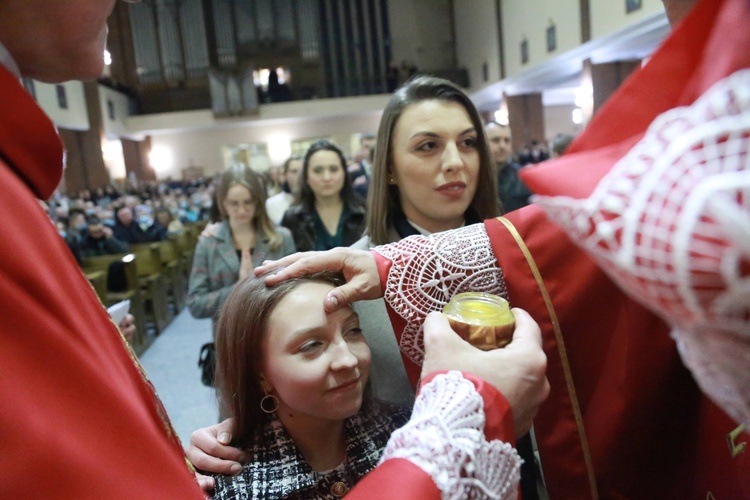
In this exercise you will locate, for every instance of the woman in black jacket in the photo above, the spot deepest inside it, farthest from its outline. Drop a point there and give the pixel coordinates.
(329, 213)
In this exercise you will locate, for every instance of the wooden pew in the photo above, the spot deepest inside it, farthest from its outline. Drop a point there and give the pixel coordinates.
(152, 282)
(192, 233)
(98, 281)
(172, 266)
(185, 250)
(96, 270)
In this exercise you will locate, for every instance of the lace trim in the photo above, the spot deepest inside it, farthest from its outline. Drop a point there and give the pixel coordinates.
(445, 438)
(427, 271)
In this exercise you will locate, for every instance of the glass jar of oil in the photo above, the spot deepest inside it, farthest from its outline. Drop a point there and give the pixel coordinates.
(482, 319)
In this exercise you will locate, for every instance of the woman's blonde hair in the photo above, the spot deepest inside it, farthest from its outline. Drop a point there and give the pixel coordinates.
(242, 175)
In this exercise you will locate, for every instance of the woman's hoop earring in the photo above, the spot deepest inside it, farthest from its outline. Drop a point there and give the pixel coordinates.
(269, 399)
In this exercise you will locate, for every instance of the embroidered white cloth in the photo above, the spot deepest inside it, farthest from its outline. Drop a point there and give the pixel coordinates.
(671, 224)
(445, 438)
(427, 271)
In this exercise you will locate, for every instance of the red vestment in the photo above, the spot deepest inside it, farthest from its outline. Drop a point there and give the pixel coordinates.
(624, 418)
(78, 418)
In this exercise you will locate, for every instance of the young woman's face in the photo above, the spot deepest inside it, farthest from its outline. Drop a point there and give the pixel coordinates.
(325, 174)
(239, 205)
(316, 364)
(435, 163)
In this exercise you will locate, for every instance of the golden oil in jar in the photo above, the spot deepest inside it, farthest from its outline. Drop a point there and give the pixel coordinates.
(482, 319)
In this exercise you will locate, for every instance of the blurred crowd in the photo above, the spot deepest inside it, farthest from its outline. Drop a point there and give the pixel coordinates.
(106, 220)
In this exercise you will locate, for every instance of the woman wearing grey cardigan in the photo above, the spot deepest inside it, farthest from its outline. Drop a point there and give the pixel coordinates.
(245, 238)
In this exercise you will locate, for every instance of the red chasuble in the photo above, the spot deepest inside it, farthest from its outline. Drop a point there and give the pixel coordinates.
(625, 418)
(78, 419)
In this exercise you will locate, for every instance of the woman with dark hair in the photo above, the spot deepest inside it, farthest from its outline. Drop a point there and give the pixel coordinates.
(433, 171)
(329, 214)
(245, 238)
(293, 378)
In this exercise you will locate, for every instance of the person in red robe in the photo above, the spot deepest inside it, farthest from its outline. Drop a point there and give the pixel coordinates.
(625, 418)
(79, 419)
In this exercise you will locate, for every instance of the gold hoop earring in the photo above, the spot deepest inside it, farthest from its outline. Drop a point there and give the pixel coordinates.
(269, 399)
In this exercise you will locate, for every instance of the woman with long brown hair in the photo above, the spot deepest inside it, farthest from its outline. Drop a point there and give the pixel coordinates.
(245, 238)
(432, 172)
(329, 213)
(293, 378)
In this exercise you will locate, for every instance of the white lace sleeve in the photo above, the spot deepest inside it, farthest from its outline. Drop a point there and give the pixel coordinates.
(445, 438)
(427, 271)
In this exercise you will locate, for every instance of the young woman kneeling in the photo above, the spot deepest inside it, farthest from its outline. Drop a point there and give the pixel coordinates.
(294, 377)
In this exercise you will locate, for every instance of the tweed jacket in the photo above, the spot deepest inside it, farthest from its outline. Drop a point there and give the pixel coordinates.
(277, 469)
(216, 269)
(301, 222)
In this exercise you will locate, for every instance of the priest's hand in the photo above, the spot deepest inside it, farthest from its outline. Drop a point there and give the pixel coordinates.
(517, 370)
(358, 266)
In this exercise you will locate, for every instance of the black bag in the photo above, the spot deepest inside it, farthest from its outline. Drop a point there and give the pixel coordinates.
(116, 281)
(207, 363)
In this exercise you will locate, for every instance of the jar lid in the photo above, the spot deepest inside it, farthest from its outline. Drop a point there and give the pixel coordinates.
(479, 308)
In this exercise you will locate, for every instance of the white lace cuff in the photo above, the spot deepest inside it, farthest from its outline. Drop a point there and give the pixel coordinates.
(445, 438)
(427, 271)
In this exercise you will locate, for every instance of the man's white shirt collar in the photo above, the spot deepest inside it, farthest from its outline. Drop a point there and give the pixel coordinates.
(425, 232)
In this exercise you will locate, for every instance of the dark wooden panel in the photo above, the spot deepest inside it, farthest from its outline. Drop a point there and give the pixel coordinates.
(526, 119)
